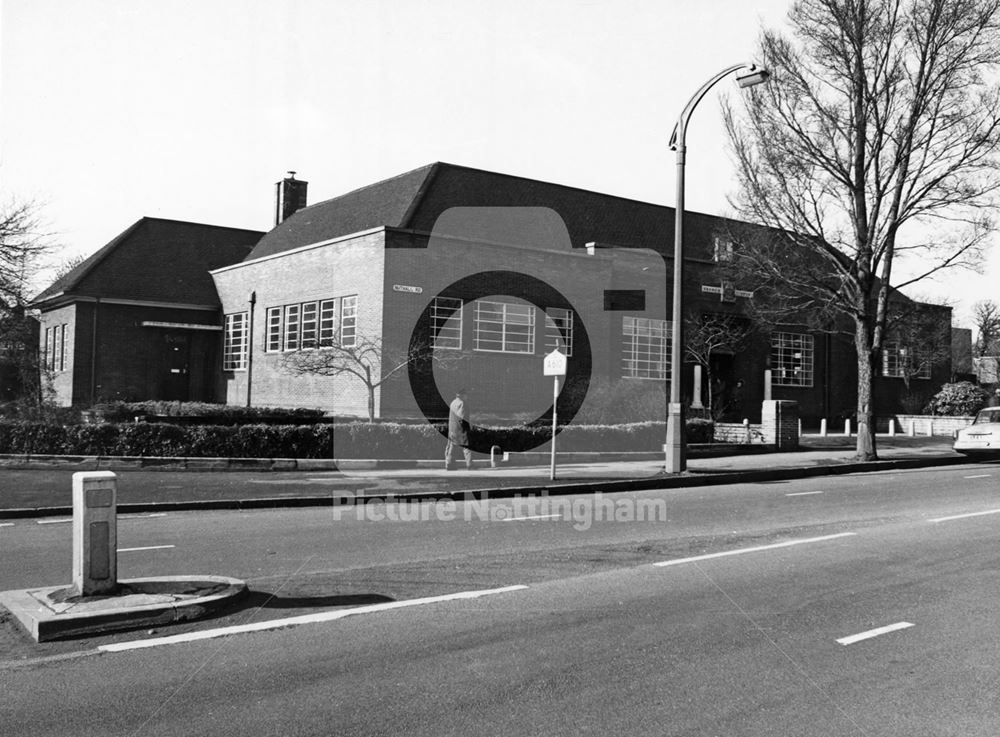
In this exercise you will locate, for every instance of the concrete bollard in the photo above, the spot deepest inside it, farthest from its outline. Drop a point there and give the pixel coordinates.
(822, 428)
(95, 532)
(892, 427)
(930, 428)
(847, 428)
(911, 429)
(746, 430)
(494, 452)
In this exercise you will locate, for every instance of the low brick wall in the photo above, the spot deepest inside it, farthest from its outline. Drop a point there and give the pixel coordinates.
(780, 423)
(737, 432)
(931, 424)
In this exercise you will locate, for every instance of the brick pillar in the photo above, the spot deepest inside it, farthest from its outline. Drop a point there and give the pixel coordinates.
(780, 423)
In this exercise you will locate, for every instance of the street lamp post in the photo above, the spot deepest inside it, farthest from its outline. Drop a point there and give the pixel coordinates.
(676, 460)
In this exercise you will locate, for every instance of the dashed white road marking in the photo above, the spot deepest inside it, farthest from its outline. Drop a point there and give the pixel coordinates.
(757, 549)
(6, 524)
(979, 476)
(147, 547)
(303, 619)
(534, 516)
(874, 633)
(804, 493)
(964, 516)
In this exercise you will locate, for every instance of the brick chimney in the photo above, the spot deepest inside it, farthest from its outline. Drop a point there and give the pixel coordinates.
(290, 197)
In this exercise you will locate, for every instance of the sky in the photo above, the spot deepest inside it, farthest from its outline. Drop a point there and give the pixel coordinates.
(111, 110)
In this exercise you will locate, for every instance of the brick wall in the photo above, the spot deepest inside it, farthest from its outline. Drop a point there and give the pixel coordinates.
(348, 266)
(131, 359)
(509, 384)
(780, 423)
(60, 383)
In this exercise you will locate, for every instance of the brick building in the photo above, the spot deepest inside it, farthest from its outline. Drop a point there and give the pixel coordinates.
(489, 272)
(140, 318)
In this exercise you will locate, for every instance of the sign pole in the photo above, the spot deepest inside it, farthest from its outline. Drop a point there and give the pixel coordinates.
(555, 413)
(554, 365)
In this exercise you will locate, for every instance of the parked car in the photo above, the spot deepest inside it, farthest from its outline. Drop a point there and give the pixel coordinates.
(982, 437)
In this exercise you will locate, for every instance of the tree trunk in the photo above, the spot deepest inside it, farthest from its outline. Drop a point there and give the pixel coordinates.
(865, 449)
(371, 404)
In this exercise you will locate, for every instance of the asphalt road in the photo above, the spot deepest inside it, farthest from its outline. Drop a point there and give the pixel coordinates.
(736, 635)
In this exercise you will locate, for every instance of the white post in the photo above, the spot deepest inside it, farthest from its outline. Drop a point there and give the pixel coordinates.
(696, 395)
(911, 430)
(930, 427)
(822, 428)
(767, 385)
(95, 533)
(847, 428)
(555, 400)
(892, 426)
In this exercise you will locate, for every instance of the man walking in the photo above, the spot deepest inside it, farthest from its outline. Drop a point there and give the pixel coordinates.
(458, 431)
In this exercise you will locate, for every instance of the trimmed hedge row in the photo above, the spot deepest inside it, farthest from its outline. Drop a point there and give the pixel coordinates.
(349, 440)
(210, 414)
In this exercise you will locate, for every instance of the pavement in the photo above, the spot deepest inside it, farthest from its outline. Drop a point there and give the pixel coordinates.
(335, 483)
(46, 614)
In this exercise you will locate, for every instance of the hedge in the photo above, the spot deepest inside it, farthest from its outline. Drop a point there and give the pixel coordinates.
(350, 440)
(208, 413)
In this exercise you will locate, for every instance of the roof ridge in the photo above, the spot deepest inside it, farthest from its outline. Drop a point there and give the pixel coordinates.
(379, 183)
(200, 225)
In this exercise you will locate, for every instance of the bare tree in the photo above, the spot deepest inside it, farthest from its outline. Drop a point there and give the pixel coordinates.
(986, 318)
(711, 333)
(366, 359)
(22, 244)
(876, 138)
(916, 341)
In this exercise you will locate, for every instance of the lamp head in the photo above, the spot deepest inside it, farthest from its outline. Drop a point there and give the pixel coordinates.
(753, 76)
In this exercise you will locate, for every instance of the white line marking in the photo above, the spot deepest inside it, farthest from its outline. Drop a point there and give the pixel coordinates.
(148, 547)
(6, 524)
(303, 619)
(537, 516)
(804, 493)
(978, 476)
(964, 516)
(874, 633)
(63, 520)
(787, 544)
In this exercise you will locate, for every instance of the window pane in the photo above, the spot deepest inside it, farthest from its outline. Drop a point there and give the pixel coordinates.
(559, 330)
(446, 322)
(310, 324)
(504, 327)
(234, 347)
(273, 343)
(645, 348)
(348, 321)
(327, 322)
(292, 314)
(791, 359)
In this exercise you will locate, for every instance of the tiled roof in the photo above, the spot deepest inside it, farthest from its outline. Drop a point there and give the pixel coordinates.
(385, 203)
(415, 199)
(157, 260)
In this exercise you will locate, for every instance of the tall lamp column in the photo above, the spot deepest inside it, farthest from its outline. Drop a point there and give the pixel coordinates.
(747, 75)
